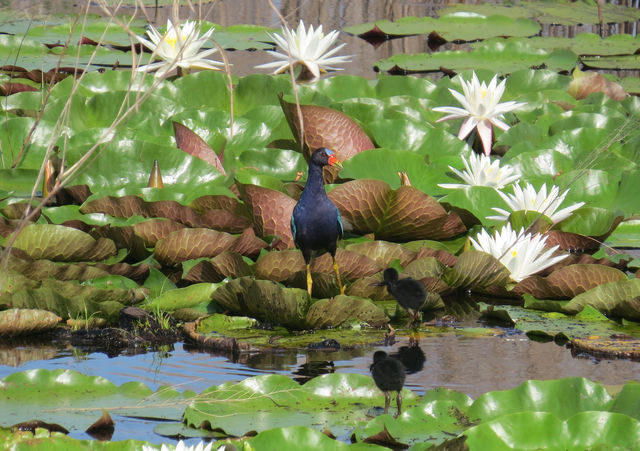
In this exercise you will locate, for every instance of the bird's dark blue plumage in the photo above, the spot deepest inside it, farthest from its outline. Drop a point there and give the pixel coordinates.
(315, 224)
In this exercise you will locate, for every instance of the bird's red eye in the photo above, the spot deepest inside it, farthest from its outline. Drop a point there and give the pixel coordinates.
(332, 159)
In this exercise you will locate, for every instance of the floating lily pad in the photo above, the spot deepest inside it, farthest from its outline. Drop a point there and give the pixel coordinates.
(75, 400)
(453, 27)
(499, 57)
(559, 13)
(266, 402)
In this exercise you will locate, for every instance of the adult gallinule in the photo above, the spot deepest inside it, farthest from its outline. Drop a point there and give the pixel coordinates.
(315, 224)
(388, 374)
(409, 293)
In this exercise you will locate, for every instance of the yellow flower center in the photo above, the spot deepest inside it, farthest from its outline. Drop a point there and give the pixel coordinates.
(483, 92)
(514, 253)
(171, 40)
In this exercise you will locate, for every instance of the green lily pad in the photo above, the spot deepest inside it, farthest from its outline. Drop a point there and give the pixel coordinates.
(265, 300)
(333, 401)
(453, 27)
(75, 400)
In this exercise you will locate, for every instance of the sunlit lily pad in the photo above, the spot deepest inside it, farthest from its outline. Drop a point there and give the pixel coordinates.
(621, 299)
(403, 214)
(62, 243)
(265, 402)
(265, 300)
(187, 244)
(326, 127)
(568, 281)
(341, 309)
(25, 321)
(271, 211)
(75, 400)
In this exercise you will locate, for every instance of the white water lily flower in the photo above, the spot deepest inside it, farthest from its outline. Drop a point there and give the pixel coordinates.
(178, 47)
(481, 171)
(480, 108)
(180, 447)
(530, 200)
(310, 48)
(522, 254)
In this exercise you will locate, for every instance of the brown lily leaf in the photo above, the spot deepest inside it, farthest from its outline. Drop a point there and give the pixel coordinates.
(568, 281)
(476, 270)
(281, 266)
(219, 202)
(103, 427)
(383, 252)
(446, 258)
(6, 89)
(248, 244)
(26, 321)
(326, 127)
(124, 237)
(271, 212)
(585, 83)
(153, 230)
(575, 242)
(226, 264)
(384, 438)
(191, 143)
(404, 214)
(32, 425)
(16, 210)
(187, 244)
(614, 347)
(264, 300)
(427, 267)
(127, 206)
(60, 243)
(343, 309)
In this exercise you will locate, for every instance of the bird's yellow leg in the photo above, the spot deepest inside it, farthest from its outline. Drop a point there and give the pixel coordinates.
(335, 268)
(309, 279)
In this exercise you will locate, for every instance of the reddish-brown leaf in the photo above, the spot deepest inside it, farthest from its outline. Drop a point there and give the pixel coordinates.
(326, 127)
(191, 143)
(271, 211)
(568, 282)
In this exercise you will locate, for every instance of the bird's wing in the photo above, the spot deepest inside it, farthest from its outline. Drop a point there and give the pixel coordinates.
(340, 228)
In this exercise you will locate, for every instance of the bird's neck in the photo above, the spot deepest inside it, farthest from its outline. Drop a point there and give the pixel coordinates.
(315, 182)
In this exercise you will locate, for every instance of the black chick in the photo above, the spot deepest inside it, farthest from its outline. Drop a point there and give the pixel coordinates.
(388, 374)
(409, 293)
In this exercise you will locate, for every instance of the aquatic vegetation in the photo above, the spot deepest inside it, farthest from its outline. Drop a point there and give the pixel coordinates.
(179, 46)
(310, 48)
(528, 199)
(480, 170)
(522, 253)
(480, 108)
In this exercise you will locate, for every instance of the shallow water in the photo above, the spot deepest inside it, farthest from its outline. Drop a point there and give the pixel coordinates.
(470, 365)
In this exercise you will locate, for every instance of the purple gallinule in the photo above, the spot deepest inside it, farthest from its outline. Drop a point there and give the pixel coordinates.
(315, 223)
(409, 293)
(388, 374)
